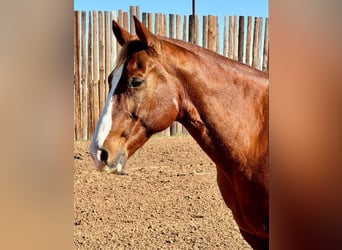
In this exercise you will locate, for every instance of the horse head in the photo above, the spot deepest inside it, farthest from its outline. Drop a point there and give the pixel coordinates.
(142, 100)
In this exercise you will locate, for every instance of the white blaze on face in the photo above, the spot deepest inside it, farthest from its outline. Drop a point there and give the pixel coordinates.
(105, 121)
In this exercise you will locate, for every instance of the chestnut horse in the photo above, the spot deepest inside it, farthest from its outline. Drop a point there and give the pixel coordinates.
(222, 103)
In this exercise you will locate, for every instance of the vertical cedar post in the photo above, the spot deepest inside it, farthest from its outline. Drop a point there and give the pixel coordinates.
(165, 25)
(225, 37)
(241, 37)
(137, 12)
(125, 20)
(212, 33)
(107, 51)
(150, 22)
(101, 47)
(144, 18)
(90, 80)
(218, 49)
(265, 58)
(231, 38)
(197, 30)
(236, 39)
(260, 44)
(131, 21)
(120, 22)
(161, 26)
(178, 27)
(255, 43)
(96, 79)
(184, 28)
(84, 79)
(156, 24)
(78, 127)
(113, 46)
(171, 26)
(205, 32)
(192, 29)
(249, 40)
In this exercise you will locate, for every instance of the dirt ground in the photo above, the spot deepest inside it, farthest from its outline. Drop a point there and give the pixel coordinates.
(167, 199)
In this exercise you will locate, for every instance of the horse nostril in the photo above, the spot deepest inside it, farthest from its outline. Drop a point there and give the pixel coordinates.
(104, 155)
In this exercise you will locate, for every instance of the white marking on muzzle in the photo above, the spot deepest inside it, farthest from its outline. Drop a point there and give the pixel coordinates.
(105, 121)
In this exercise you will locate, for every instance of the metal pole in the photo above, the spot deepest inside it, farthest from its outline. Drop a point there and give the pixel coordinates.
(193, 7)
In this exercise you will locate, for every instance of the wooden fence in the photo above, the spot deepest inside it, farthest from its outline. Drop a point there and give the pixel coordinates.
(95, 50)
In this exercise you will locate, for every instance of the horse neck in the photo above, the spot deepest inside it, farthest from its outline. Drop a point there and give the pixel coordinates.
(223, 104)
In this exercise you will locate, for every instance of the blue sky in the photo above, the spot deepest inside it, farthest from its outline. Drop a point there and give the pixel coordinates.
(182, 7)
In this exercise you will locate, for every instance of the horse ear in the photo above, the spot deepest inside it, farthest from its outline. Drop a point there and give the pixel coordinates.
(146, 36)
(122, 35)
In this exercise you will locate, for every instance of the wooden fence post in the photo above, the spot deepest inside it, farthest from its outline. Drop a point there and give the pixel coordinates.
(96, 79)
(156, 24)
(249, 39)
(260, 44)
(197, 30)
(265, 59)
(120, 22)
(192, 29)
(107, 52)
(101, 48)
(236, 39)
(225, 37)
(84, 79)
(184, 28)
(90, 80)
(255, 43)
(212, 33)
(241, 37)
(218, 48)
(205, 32)
(113, 47)
(78, 127)
(171, 26)
(144, 18)
(137, 12)
(178, 27)
(150, 22)
(125, 20)
(165, 25)
(231, 32)
(131, 20)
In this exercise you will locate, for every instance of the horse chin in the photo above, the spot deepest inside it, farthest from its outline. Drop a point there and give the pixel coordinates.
(118, 165)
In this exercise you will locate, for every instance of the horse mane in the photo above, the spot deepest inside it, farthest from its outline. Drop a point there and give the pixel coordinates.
(213, 57)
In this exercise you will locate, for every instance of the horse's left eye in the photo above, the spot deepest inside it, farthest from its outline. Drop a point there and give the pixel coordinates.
(135, 82)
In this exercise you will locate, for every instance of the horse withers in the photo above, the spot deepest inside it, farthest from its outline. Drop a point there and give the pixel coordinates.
(222, 103)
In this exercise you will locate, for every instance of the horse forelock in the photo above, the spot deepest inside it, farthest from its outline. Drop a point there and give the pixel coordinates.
(130, 48)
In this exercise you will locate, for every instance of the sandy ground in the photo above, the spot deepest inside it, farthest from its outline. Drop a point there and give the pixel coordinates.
(167, 199)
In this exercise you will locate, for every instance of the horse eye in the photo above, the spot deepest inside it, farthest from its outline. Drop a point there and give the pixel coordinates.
(135, 82)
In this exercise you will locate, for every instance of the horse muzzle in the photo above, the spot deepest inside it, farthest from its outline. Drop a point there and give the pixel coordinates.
(102, 160)
(118, 165)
